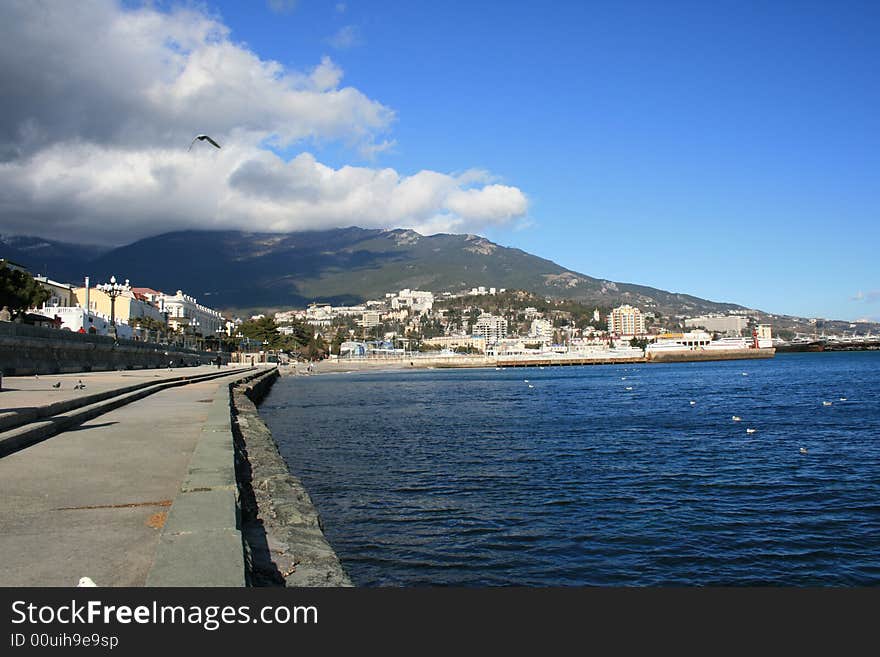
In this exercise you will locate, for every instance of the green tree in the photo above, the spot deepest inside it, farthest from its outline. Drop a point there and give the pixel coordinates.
(19, 291)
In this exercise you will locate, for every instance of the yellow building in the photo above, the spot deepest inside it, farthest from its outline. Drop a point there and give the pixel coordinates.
(127, 306)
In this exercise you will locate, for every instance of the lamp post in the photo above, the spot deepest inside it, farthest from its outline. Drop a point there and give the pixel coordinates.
(113, 290)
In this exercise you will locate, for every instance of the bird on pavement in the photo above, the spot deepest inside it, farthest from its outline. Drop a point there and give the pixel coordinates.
(79, 385)
(203, 138)
(56, 385)
(86, 581)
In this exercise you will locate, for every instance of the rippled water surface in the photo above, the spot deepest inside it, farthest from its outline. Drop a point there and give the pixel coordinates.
(471, 477)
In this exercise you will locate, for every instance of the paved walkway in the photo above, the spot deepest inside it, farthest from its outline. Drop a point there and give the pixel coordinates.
(92, 501)
(29, 391)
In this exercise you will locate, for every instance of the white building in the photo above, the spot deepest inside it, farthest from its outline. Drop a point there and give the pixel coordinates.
(416, 300)
(626, 320)
(319, 314)
(542, 329)
(491, 328)
(732, 324)
(370, 319)
(184, 310)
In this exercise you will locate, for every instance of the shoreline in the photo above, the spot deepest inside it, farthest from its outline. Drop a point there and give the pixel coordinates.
(487, 362)
(282, 531)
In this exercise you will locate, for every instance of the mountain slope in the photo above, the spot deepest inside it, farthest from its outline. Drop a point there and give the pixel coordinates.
(233, 269)
(50, 257)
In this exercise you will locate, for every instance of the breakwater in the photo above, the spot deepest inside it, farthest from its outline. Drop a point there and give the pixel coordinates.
(27, 350)
(282, 531)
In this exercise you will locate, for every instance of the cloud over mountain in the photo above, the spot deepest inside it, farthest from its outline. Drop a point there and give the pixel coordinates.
(102, 101)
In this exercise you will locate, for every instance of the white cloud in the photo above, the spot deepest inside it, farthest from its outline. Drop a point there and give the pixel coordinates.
(101, 103)
(282, 6)
(346, 37)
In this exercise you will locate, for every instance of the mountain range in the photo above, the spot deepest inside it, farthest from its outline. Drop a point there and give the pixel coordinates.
(240, 271)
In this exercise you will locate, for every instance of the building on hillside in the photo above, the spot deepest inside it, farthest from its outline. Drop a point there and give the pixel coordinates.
(626, 320)
(542, 330)
(370, 319)
(732, 324)
(319, 314)
(415, 300)
(491, 328)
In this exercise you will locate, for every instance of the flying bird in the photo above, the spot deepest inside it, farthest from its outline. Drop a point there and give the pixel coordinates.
(203, 138)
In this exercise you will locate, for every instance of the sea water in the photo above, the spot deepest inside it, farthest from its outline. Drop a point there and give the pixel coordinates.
(616, 475)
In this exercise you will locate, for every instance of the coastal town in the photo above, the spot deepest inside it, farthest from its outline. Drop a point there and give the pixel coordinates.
(491, 322)
(488, 322)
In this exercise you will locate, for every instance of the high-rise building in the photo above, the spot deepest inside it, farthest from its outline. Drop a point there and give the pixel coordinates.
(491, 328)
(626, 320)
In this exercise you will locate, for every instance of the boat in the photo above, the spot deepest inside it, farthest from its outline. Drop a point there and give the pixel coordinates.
(729, 343)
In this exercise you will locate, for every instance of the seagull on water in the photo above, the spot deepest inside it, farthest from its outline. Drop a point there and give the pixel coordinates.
(693, 403)
(736, 418)
(203, 138)
(824, 403)
(751, 430)
(803, 450)
(843, 399)
(86, 581)
(628, 388)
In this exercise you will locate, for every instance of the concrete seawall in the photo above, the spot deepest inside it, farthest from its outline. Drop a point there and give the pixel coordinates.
(282, 531)
(27, 350)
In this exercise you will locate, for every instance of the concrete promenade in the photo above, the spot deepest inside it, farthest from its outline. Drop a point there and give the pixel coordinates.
(93, 500)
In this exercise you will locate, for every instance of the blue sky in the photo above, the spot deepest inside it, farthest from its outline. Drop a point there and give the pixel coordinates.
(723, 149)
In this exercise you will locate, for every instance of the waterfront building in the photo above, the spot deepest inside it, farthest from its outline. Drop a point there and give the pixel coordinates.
(183, 310)
(491, 328)
(127, 307)
(542, 330)
(765, 336)
(80, 320)
(455, 341)
(626, 320)
(62, 293)
(732, 324)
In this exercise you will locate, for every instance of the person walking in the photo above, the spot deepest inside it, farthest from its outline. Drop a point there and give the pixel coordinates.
(219, 361)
